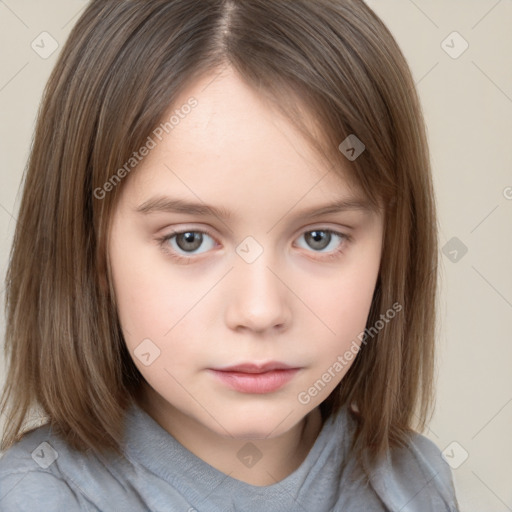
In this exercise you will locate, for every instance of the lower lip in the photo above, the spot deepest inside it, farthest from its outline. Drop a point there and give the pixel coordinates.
(259, 383)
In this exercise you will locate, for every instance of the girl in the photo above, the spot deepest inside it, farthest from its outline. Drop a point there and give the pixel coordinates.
(283, 361)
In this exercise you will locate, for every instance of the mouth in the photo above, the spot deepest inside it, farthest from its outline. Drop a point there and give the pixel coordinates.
(255, 378)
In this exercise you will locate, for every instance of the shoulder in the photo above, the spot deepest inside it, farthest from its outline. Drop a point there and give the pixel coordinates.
(415, 477)
(22, 491)
(423, 454)
(31, 478)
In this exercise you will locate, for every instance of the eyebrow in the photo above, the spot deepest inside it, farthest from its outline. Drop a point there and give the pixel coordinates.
(164, 204)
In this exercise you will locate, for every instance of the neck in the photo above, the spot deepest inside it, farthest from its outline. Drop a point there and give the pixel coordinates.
(278, 457)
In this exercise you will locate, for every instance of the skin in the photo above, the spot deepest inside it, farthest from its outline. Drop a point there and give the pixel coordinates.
(213, 309)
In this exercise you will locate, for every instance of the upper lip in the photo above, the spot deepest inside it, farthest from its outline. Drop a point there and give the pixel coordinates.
(255, 367)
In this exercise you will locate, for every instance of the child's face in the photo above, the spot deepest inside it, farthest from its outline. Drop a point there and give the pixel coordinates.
(265, 284)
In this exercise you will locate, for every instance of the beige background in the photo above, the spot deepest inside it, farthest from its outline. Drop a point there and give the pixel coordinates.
(468, 106)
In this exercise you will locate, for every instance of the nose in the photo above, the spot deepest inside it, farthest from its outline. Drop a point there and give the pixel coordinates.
(257, 298)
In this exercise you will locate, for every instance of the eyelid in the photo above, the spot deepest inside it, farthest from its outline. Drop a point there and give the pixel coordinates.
(332, 227)
(181, 231)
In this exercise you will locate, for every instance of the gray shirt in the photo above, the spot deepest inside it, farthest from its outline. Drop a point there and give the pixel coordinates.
(41, 473)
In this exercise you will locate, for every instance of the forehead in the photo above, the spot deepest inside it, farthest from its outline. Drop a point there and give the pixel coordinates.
(234, 146)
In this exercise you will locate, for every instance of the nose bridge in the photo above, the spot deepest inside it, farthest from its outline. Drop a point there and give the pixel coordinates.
(258, 298)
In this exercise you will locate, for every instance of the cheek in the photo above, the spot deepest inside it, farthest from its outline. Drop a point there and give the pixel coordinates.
(343, 302)
(151, 297)
(158, 311)
(344, 314)
(139, 306)
(342, 305)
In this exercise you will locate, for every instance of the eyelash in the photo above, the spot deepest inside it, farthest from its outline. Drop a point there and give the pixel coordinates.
(162, 241)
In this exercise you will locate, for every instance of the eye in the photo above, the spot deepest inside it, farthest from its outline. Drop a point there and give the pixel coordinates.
(187, 242)
(323, 240)
(183, 245)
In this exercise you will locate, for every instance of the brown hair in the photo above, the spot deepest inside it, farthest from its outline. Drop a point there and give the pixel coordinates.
(116, 76)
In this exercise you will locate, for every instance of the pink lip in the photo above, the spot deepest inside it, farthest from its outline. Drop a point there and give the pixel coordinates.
(254, 378)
